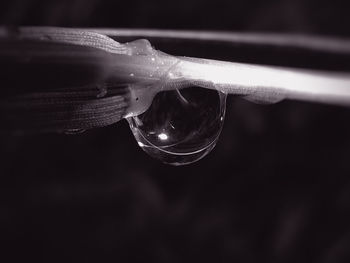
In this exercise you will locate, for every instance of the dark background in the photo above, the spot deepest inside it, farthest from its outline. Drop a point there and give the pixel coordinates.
(275, 189)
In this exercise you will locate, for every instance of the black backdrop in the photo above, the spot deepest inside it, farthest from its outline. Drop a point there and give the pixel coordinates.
(275, 189)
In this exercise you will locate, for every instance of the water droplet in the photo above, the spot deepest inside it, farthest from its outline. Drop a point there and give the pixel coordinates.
(140, 47)
(180, 126)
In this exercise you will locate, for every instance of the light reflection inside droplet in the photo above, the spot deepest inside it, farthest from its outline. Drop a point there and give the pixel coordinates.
(140, 144)
(163, 136)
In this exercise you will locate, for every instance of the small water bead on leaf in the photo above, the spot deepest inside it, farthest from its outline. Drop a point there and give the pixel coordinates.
(180, 126)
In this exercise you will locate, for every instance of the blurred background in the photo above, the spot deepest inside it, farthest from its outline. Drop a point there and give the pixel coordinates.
(275, 189)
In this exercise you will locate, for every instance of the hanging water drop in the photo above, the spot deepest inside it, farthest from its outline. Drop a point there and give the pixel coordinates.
(180, 126)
